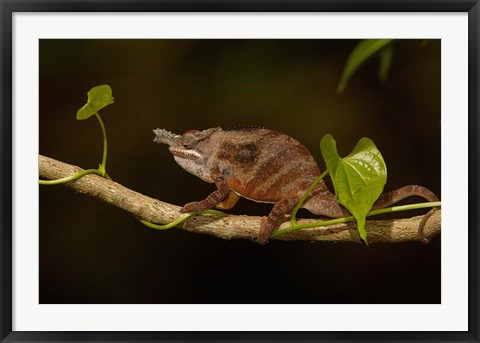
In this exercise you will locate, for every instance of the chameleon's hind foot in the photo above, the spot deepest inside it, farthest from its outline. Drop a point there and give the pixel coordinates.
(265, 231)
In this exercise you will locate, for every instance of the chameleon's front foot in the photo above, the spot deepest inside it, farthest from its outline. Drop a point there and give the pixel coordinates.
(195, 206)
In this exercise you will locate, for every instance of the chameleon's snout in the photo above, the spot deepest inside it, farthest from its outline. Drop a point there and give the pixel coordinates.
(165, 137)
(184, 153)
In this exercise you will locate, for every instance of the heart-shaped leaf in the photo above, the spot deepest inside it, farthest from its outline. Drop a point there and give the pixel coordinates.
(328, 146)
(98, 98)
(358, 178)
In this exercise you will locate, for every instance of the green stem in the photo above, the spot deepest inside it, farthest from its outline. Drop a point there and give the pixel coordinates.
(166, 226)
(102, 167)
(71, 177)
(405, 208)
(178, 220)
(100, 171)
(352, 218)
(299, 205)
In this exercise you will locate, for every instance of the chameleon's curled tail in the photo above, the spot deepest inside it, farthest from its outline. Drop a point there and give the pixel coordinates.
(323, 203)
(395, 196)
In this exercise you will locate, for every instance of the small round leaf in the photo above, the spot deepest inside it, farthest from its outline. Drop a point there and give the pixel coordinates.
(98, 98)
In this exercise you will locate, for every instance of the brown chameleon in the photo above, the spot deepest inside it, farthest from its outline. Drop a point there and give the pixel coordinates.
(265, 166)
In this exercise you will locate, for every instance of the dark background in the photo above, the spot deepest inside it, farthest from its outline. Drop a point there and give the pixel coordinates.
(91, 252)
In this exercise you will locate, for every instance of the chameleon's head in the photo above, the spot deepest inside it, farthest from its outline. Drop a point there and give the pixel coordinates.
(190, 150)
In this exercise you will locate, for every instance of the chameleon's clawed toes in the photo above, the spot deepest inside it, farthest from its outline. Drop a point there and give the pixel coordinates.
(423, 240)
(264, 233)
(262, 240)
(191, 207)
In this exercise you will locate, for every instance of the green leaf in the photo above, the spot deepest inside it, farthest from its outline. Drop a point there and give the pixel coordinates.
(362, 52)
(386, 57)
(328, 147)
(98, 98)
(358, 178)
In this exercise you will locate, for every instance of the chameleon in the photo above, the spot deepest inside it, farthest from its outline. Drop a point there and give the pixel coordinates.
(264, 165)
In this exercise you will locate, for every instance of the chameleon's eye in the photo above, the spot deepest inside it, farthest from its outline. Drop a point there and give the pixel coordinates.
(189, 141)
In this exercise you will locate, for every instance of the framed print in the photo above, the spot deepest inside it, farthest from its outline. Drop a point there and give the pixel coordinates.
(331, 109)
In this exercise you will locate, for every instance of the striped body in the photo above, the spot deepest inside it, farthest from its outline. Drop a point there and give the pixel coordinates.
(260, 164)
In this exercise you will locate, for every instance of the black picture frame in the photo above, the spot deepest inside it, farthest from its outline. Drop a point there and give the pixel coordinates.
(8, 7)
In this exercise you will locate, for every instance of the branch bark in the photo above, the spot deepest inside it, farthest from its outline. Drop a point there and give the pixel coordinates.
(230, 226)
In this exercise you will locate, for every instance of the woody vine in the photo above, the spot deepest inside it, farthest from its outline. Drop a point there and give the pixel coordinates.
(357, 200)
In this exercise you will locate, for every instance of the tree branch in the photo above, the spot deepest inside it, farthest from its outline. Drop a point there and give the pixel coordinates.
(230, 226)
